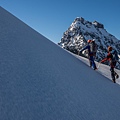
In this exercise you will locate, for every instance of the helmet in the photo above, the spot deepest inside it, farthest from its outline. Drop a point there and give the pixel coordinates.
(109, 48)
(89, 41)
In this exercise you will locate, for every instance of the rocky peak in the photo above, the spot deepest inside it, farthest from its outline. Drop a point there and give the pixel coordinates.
(97, 24)
(75, 38)
(79, 19)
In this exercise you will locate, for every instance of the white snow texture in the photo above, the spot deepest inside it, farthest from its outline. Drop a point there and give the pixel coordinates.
(41, 81)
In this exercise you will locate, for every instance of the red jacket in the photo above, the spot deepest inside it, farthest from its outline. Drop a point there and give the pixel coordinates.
(109, 57)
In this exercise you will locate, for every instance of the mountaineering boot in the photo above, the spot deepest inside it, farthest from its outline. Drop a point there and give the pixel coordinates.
(95, 68)
(114, 81)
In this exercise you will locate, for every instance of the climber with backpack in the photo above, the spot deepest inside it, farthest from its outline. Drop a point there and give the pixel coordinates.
(112, 57)
(93, 47)
(91, 52)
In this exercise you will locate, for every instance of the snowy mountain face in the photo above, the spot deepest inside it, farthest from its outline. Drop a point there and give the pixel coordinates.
(75, 38)
(41, 81)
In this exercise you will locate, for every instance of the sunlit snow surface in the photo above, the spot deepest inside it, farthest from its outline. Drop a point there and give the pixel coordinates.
(41, 81)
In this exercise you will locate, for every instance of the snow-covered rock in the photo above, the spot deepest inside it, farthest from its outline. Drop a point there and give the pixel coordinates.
(41, 81)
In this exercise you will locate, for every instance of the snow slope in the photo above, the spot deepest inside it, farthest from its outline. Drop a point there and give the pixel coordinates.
(41, 81)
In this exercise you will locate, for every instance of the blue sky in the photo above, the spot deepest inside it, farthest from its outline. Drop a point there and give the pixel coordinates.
(52, 17)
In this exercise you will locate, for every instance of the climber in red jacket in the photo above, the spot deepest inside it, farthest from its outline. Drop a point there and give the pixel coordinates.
(109, 58)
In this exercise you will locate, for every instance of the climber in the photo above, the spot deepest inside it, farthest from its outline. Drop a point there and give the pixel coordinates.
(91, 52)
(112, 57)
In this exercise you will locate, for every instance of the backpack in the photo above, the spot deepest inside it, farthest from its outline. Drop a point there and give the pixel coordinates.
(114, 55)
(93, 47)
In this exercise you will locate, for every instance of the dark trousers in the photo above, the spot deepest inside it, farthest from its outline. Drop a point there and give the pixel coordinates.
(112, 66)
(112, 73)
(92, 62)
